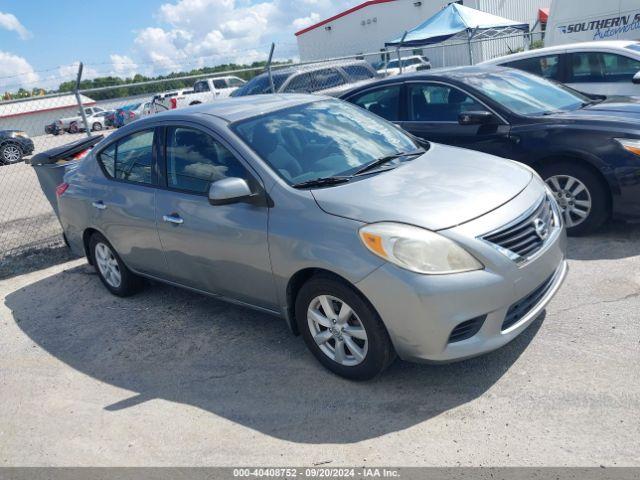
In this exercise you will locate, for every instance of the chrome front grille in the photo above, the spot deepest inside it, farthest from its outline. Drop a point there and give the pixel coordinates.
(525, 236)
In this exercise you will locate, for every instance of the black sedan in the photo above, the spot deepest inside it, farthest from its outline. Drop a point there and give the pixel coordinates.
(14, 144)
(586, 148)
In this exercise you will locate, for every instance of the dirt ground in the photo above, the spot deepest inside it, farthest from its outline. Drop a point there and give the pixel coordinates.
(168, 377)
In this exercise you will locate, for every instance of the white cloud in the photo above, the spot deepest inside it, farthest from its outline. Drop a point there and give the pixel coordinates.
(123, 66)
(16, 72)
(9, 22)
(303, 22)
(70, 72)
(195, 33)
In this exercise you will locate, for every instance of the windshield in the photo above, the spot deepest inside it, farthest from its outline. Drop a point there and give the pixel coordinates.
(260, 84)
(526, 94)
(321, 139)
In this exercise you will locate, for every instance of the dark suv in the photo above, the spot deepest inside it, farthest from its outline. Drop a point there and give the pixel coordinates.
(14, 145)
(328, 79)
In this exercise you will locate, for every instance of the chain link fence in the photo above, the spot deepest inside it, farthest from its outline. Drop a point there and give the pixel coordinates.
(28, 226)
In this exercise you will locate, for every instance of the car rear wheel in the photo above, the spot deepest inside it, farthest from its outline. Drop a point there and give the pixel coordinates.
(113, 273)
(580, 194)
(10, 153)
(96, 127)
(342, 330)
(73, 128)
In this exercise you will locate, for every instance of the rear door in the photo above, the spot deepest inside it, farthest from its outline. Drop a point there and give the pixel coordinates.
(123, 203)
(220, 249)
(432, 110)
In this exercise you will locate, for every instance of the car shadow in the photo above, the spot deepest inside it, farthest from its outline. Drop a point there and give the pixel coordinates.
(613, 241)
(171, 344)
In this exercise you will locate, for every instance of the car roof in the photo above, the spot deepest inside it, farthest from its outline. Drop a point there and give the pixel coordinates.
(579, 46)
(447, 73)
(239, 108)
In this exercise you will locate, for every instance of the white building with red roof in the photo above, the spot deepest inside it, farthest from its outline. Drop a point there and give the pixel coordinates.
(366, 27)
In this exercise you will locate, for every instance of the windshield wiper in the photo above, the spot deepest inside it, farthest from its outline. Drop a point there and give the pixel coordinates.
(594, 101)
(386, 159)
(321, 182)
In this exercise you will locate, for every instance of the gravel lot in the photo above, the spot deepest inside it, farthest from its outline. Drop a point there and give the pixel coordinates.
(172, 378)
(27, 222)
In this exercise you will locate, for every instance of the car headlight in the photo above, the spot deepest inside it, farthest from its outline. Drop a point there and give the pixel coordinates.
(417, 249)
(630, 144)
(21, 134)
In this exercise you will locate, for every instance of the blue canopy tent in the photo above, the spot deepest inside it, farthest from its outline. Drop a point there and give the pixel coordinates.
(457, 21)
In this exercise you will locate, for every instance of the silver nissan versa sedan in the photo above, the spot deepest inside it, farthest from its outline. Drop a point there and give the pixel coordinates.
(367, 241)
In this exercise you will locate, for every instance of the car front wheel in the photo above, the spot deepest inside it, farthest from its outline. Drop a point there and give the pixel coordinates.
(342, 330)
(580, 194)
(113, 273)
(97, 127)
(10, 153)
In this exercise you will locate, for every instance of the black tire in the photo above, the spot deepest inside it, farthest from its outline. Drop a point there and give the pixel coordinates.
(380, 353)
(73, 128)
(96, 127)
(595, 189)
(8, 151)
(129, 284)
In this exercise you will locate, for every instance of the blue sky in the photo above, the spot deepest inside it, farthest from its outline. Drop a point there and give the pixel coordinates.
(41, 40)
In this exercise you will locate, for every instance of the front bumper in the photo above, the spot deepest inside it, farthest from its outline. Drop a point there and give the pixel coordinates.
(421, 311)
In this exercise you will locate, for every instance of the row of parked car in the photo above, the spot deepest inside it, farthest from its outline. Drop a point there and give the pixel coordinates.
(360, 220)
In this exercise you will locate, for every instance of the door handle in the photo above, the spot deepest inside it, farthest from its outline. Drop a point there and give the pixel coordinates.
(174, 218)
(99, 205)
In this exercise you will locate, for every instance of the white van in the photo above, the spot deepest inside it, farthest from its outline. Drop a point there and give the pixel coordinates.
(573, 21)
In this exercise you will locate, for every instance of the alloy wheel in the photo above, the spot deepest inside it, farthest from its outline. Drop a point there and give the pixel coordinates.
(11, 153)
(573, 198)
(337, 330)
(108, 265)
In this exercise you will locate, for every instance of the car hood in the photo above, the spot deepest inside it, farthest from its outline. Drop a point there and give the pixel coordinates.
(616, 109)
(445, 187)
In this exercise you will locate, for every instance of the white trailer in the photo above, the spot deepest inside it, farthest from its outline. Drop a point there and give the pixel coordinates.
(573, 21)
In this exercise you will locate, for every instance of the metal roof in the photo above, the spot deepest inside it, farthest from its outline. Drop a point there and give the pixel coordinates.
(31, 105)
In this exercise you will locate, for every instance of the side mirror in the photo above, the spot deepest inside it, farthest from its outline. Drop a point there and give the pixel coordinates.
(477, 118)
(229, 190)
(636, 78)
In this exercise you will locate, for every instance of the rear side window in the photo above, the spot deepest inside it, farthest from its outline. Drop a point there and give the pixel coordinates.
(220, 83)
(302, 83)
(195, 160)
(201, 87)
(327, 78)
(235, 82)
(590, 67)
(384, 102)
(545, 66)
(130, 159)
(358, 72)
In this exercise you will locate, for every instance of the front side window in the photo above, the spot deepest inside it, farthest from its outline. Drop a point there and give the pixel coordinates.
(545, 66)
(195, 160)
(384, 102)
(130, 159)
(321, 139)
(591, 67)
(438, 103)
(526, 94)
